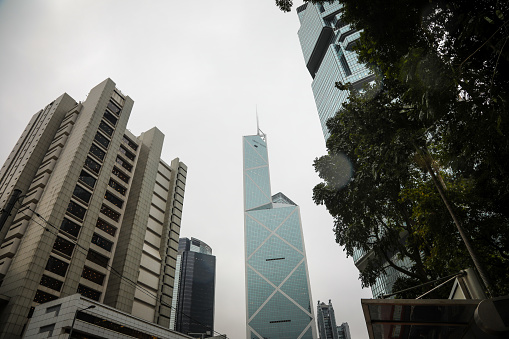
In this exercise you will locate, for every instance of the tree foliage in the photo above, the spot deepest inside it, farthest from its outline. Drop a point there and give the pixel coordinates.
(438, 111)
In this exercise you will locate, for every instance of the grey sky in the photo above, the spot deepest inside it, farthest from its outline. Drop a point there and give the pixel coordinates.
(196, 70)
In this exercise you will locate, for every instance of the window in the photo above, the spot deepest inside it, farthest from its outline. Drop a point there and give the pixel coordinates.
(117, 187)
(113, 199)
(89, 293)
(93, 275)
(52, 283)
(82, 194)
(107, 228)
(70, 227)
(47, 329)
(97, 258)
(110, 117)
(63, 246)
(76, 210)
(101, 242)
(121, 175)
(99, 153)
(114, 108)
(57, 266)
(110, 213)
(87, 179)
(101, 139)
(128, 154)
(124, 164)
(129, 143)
(92, 165)
(106, 128)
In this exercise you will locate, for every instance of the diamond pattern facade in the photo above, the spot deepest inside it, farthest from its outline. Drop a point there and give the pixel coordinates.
(277, 281)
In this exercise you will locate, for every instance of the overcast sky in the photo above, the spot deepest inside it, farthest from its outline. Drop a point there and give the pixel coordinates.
(197, 70)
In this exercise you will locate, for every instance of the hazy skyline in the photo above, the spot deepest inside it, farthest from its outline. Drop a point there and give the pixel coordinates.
(198, 71)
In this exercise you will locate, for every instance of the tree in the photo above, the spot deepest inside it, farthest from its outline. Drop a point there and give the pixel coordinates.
(436, 134)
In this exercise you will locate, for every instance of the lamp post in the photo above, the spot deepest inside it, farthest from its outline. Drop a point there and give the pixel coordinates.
(75, 315)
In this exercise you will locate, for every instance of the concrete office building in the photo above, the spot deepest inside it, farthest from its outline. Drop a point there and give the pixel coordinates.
(326, 321)
(91, 320)
(327, 45)
(193, 294)
(278, 297)
(99, 212)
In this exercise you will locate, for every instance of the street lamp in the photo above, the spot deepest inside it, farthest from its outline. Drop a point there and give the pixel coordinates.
(76, 314)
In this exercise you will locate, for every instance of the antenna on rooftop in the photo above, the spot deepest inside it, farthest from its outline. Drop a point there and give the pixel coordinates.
(259, 131)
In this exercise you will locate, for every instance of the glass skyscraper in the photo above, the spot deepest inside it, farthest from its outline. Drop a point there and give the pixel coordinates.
(327, 45)
(277, 282)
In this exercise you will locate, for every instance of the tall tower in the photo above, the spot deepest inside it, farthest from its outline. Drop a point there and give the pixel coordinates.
(193, 294)
(326, 321)
(99, 212)
(277, 281)
(327, 44)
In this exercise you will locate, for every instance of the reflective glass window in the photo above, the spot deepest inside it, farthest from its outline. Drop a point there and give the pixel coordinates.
(82, 194)
(52, 283)
(105, 227)
(70, 227)
(114, 108)
(101, 139)
(124, 164)
(121, 175)
(129, 143)
(88, 179)
(57, 266)
(97, 258)
(117, 187)
(101, 242)
(110, 213)
(106, 128)
(110, 117)
(63, 246)
(76, 210)
(113, 199)
(88, 293)
(128, 154)
(96, 151)
(92, 165)
(93, 275)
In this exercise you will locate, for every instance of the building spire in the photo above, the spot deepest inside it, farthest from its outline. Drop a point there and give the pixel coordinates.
(258, 130)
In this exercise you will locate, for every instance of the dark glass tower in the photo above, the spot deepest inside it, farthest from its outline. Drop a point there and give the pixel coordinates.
(277, 281)
(195, 286)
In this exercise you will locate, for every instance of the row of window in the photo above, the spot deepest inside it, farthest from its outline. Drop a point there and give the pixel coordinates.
(82, 194)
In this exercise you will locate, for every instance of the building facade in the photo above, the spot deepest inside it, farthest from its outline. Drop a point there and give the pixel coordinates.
(344, 331)
(193, 294)
(99, 212)
(278, 297)
(327, 45)
(91, 320)
(326, 321)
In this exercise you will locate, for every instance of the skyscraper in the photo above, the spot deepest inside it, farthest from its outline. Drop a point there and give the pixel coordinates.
(99, 212)
(344, 331)
(327, 45)
(326, 321)
(193, 294)
(277, 281)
